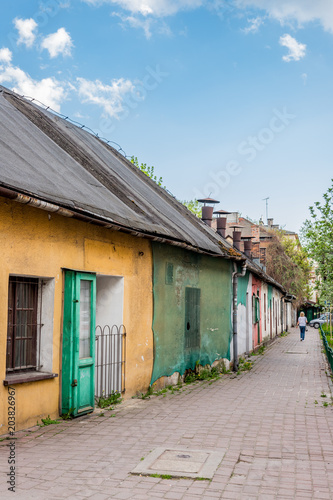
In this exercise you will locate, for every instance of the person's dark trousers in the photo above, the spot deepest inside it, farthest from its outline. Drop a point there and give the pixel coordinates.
(302, 329)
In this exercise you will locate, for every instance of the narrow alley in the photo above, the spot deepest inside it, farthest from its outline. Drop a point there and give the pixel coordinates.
(273, 424)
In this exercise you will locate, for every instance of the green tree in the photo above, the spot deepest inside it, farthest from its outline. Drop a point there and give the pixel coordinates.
(194, 206)
(288, 264)
(149, 171)
(317, 233)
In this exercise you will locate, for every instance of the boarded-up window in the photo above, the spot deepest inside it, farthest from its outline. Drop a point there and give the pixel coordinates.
(169, 273)
(192, 318)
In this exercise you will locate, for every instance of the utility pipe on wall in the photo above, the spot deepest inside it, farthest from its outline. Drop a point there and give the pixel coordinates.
(235, 276)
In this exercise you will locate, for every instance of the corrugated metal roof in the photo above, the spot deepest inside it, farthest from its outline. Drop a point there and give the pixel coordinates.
(51, 159)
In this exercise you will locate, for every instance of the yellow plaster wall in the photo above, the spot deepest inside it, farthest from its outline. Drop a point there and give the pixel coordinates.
(37, 243)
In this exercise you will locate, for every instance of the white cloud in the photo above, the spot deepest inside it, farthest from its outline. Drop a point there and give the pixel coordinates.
(58, 43)
(285, 11)
(26, 29)
(304, 77)
(109, 97)
(296, 50)
(135, 22)
(157, 8)
(143, 13)
(254, 25)
(48, 90)
(301, 11)
(5, 55)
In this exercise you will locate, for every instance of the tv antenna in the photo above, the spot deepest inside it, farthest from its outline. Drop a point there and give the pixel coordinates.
(266, 199)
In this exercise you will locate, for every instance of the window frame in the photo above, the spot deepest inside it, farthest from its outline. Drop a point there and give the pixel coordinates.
(42, 368)
(22, 355)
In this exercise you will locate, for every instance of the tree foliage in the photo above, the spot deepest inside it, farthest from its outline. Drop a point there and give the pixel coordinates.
(288, 264)
(193, 206)
(317, 233)
(149, 171)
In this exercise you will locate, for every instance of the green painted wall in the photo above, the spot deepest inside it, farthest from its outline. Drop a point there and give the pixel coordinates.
(213, 277)
(242, 289)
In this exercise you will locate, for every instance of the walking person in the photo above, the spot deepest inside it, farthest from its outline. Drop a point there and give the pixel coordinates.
(302, 321)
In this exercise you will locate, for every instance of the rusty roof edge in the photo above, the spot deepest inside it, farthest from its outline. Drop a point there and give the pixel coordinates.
(85, 216)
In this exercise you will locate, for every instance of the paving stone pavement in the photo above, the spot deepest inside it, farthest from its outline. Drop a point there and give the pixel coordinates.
(271, 421)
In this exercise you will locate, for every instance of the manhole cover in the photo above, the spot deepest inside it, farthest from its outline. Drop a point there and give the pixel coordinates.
(178, 462)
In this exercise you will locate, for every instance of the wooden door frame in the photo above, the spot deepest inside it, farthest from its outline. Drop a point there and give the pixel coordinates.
(70, 343)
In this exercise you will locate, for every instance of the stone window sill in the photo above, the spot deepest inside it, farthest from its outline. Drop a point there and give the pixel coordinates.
(21, 378)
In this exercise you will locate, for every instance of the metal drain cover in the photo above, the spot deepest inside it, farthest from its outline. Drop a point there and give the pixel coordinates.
(177, 462)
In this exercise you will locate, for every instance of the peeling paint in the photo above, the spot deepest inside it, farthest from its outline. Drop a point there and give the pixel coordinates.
(213, 278)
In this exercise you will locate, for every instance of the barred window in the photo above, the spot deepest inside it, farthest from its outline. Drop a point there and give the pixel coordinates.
(23, 328)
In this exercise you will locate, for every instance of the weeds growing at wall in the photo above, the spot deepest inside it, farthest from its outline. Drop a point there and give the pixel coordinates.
(244, 365)
(198, 374)
(113, 399)
(47, 421)
(172, 389)
(260, 351)
(202, 374)
(68, 415)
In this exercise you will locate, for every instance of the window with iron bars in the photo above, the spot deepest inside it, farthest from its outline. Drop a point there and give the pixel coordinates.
(24, 310)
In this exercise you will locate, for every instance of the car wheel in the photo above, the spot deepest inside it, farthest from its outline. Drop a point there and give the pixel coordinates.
(316, 325)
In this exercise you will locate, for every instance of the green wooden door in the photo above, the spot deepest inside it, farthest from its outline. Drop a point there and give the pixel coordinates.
(192, 318)
(78, 360)
(258, 315)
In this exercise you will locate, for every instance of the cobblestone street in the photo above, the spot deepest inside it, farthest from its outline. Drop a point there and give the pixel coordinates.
(272, 422)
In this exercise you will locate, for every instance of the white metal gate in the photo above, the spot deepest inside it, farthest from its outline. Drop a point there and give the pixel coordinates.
(110, 356)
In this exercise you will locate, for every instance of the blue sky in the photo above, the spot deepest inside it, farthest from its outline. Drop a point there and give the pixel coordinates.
(231, 99)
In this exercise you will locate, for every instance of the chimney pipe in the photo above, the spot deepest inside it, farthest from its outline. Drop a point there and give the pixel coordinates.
(236, 236)
(207, 215)
(248, 248)
(221, 222)
(221, 226)
(207, 211)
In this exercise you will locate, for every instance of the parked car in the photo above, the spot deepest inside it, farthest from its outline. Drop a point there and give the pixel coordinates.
(319, 321)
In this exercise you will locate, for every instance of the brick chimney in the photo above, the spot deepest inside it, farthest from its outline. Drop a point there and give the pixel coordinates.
(255, 231)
